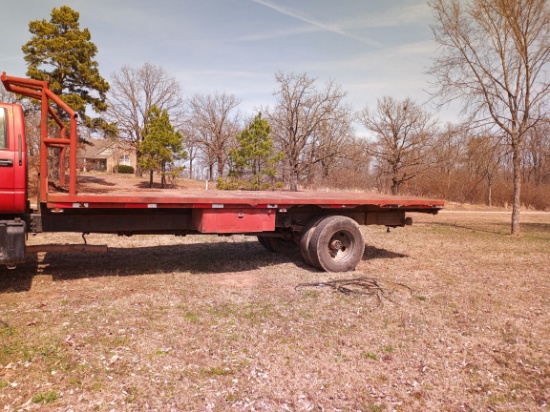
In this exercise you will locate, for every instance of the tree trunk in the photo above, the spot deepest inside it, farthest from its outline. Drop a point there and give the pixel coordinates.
(220, 168)
(257, 175)
(151, 178)
(490, 189)
(395, 186)
(293, 184)
(517, 190)
(53, 164)
(139, 170)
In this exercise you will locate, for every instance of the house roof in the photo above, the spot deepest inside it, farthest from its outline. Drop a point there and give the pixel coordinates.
(95, 149)
(98, 149)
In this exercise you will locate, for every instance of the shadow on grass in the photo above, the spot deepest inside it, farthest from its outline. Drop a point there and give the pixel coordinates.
(156, 185)
(94, 179)
(491, 228)
(494, 228)
(83, 183)
(20, 278)
(195, 258)
(535, 227)
(372, 253)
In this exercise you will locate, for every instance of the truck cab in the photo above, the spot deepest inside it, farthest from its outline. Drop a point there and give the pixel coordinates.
(13, 185)
(13, 161)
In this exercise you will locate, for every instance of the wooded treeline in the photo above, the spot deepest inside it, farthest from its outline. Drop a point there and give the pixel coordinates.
(398, 146)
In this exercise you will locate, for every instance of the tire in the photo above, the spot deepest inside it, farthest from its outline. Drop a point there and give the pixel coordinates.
(337, 244)
(306, 235)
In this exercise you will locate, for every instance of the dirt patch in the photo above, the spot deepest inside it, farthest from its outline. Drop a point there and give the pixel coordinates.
(109, 182)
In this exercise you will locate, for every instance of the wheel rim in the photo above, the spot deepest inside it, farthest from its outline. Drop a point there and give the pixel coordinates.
(340, 245)
(336, 245)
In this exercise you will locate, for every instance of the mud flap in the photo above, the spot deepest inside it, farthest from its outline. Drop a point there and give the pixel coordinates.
(12, 242)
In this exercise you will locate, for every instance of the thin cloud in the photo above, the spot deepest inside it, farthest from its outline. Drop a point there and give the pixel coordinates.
(388, 59)
(313, 21)
(242, 74)
(395, 17)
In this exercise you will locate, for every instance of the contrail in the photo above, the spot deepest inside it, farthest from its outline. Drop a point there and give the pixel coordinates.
(310, 20)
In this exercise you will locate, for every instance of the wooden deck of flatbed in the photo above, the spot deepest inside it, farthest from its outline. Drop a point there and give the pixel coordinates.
(111, 196)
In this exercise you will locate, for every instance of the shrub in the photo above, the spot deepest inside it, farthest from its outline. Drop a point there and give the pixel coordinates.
(124, 169)
(232, 183)
(227, 184)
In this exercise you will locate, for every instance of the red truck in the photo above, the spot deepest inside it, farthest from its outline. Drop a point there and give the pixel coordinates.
(325, 226)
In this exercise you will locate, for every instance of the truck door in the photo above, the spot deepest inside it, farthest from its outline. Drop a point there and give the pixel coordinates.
(13, 167)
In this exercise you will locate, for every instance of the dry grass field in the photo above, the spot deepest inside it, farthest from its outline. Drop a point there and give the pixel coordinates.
(461, 323)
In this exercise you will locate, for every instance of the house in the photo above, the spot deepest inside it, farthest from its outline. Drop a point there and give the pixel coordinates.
(104, 155)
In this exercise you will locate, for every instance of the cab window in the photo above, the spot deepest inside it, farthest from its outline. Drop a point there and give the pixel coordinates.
(3, 130)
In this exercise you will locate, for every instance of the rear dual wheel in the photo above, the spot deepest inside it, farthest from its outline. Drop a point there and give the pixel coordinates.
(305, 238)
(332, 243)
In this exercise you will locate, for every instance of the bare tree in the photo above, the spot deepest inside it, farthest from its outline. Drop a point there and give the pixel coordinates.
(484, 154)
(192, 144)
(331, 139)
(351, 167)
(536, 158)
(6, 96)
(404, 135)
(448, 155)
(32, 120)
(494, 58)
(214, 122)
(133, 93)
(301, 117)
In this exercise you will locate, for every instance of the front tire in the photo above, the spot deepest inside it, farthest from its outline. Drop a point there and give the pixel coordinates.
(337, 244)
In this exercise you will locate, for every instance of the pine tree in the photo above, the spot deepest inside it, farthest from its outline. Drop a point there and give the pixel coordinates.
(162, 145)
(63, 54)
(253, 161)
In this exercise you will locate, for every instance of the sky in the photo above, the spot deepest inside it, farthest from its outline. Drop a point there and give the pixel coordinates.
(372, 48)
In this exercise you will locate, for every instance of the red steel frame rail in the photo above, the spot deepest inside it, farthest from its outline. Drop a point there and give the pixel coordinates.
(40, 90)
